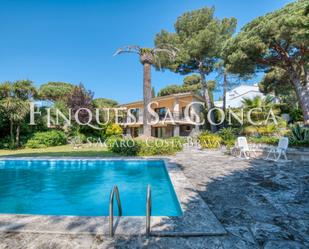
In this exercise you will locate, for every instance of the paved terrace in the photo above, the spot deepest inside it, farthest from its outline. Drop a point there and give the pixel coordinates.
(260, 204)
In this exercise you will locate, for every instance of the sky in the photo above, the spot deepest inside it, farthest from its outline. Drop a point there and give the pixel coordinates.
(74, 41)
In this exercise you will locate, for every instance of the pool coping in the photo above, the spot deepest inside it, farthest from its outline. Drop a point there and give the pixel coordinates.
(197, 218)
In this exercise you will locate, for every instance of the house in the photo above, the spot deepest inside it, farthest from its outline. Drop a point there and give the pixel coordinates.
(178, 125)
(235, 97)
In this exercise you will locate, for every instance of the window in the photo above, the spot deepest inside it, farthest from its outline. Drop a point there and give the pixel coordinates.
(161, 112)
(135, 113)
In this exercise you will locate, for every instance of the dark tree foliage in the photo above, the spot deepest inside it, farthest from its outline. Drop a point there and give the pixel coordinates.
(80, 98)
(192, 80)
(276, 81)
(191, 83)
(199, 37)
(173, 89)
(14, 104)
(276, 41)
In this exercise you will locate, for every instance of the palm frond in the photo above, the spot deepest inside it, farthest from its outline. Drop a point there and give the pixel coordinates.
(128, 49)
(171, 53)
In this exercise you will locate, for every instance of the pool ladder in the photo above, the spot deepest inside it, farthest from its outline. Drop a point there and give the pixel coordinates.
(115, 191)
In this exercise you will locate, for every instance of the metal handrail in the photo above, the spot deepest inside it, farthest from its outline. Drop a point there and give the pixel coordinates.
(148, 210)
(111, 209)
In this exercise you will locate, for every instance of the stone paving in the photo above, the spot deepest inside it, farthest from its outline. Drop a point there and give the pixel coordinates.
(265, 204)
(261, 205)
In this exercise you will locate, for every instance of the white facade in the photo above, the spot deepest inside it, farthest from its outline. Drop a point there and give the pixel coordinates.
(235, 97)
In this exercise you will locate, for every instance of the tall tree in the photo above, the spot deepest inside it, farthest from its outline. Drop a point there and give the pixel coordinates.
(191, 83)
(225, 81)
(14, 101)
(193, 79)
(277, 40)
(174, 89)
(153, 92)
(199, 36)
(265, 104)
(148, 57)
(276, 81)
(55, 91)
(104, 103)
(81, 98)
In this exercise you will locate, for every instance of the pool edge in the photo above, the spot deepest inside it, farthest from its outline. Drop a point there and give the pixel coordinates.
(196, 220)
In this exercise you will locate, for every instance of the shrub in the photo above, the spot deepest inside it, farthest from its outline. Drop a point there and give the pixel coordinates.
(209, 140)
(228, 136)
(160, 147)
(113, 130)
(79, 137)
(130, 147)
(267, 129)
(176, 142)
(5, 143)
(111, 140)
(47, 139)
(299, 135)
(126, 147)
(296, 115)
(227, 133)
(250, 130)
(264, 140)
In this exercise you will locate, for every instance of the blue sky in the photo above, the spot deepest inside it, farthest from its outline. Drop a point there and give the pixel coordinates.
(74, 40)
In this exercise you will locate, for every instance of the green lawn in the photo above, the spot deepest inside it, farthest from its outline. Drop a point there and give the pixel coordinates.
(58, 151)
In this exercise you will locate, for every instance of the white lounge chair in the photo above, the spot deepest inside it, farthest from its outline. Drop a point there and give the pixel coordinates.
(280, 150)
(243, 147)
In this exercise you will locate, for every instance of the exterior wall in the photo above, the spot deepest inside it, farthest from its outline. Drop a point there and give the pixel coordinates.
(167, 103)
(162, 132)
(176, 105)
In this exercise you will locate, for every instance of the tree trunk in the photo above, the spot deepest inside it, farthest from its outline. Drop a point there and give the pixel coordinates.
(224, 94)
(17, 136)
(12, 133)
(147, 99)
(302, 92)
(208, 102)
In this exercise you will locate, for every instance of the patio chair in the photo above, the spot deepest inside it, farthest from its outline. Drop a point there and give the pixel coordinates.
(280, 150)
(243, 147)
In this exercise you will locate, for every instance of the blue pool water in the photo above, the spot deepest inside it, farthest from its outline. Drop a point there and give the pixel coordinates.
(81, 187)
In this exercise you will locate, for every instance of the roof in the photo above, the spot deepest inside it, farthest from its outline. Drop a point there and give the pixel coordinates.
(242, 90)
(177, 95)
(235, 96)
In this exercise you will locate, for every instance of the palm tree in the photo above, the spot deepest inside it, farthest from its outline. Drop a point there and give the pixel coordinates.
(148, 57)
(16, 111)
(265, 103)
(259, 102)
(14, 101)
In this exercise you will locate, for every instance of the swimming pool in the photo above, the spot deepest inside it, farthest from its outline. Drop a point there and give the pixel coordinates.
(82, 187)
